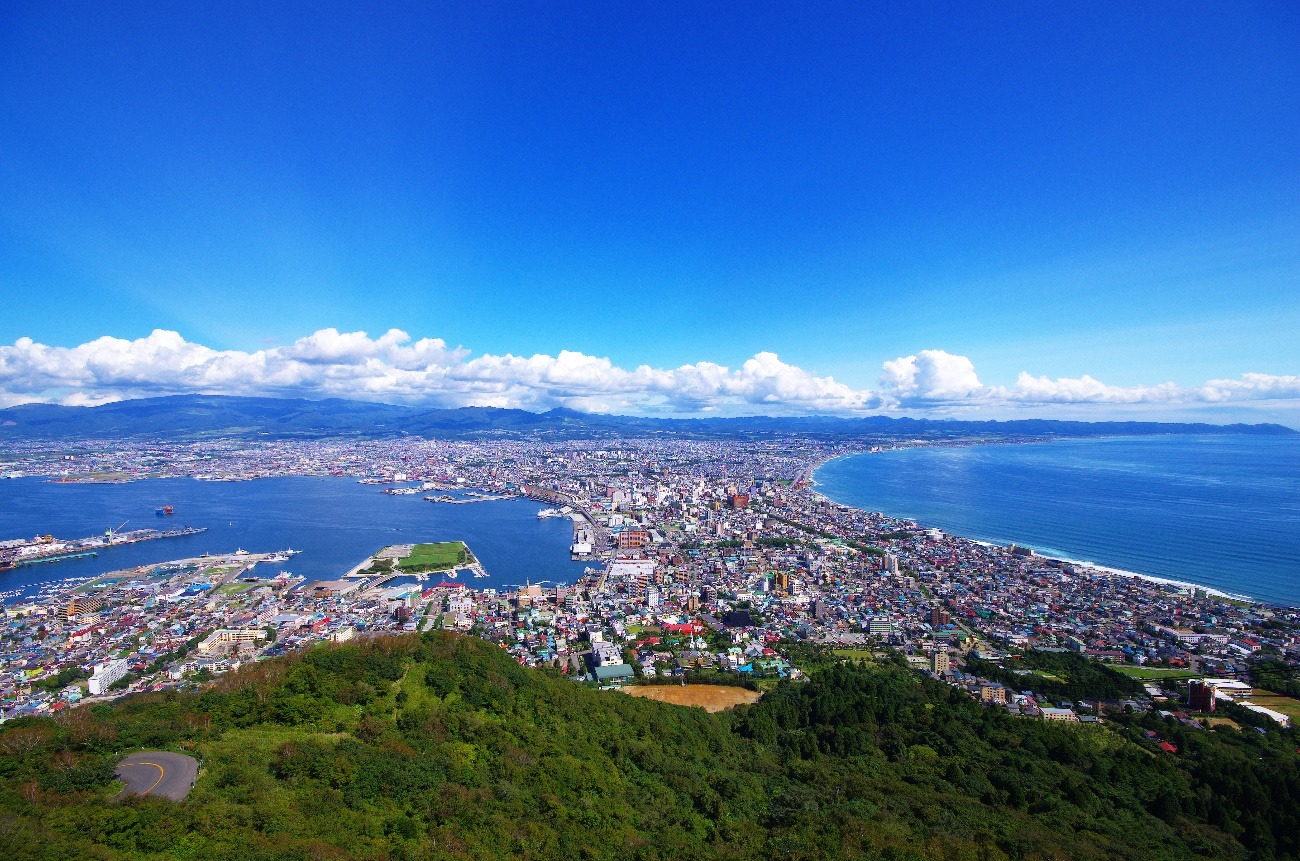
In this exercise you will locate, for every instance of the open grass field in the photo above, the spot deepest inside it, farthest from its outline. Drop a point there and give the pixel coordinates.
(855, 655)
(1278, 703)
(711, 698)
(1147, 674)
(1044, 674)
(436, 557)
(1222, 721)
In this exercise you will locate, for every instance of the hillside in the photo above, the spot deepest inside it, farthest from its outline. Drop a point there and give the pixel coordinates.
(441, 746)
(191, 416)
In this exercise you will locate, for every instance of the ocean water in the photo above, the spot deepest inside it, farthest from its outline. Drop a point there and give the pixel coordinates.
(334, 521)
(1221, 511)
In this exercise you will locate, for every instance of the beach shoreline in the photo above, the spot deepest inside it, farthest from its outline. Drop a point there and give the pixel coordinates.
(1054, 555)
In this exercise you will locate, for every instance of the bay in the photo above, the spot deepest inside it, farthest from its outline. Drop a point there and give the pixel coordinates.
(1220, 511)
(336, 522)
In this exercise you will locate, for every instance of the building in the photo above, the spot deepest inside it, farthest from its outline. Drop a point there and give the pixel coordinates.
(939, 662)
(81, 606)
(940, 617)
(105, 675)
(880, 627)
(1230, 688)
(633, 539)
(1200, 695)
(992, 692)
(613, 673)
(231, 636)
(1282, 719)
(606, 654)
(1066, 715)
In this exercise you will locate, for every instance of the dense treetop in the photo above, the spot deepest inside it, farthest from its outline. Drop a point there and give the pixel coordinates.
(441, 746)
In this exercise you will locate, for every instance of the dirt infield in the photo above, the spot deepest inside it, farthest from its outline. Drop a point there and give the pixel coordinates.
(711, 698)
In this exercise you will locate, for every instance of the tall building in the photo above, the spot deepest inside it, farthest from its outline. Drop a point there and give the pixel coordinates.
(940, 617)
(1200, 696)
(105, 675)
(939, 663)
(80, 606)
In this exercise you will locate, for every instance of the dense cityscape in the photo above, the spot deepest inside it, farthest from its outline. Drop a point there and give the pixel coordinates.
(706, 561)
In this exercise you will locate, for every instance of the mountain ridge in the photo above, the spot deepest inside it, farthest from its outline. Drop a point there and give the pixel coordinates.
(188, 416)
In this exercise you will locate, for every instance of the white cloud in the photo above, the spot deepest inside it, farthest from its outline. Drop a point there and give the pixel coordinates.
(931, 376)
(1042, 390)
(1252, 387)
(395, 368)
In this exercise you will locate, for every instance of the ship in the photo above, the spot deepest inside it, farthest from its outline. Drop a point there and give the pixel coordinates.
(163, 511)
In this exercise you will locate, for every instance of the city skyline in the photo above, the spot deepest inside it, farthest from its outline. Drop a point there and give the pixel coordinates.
(963, 211)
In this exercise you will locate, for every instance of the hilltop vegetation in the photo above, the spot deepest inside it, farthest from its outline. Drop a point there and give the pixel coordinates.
(441, 746)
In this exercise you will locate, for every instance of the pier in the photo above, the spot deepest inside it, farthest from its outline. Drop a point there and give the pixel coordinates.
(47, 548)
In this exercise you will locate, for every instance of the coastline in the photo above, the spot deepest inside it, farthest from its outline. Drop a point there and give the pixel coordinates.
(1053, 555)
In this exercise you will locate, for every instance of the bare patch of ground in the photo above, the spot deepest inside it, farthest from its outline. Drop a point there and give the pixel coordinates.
(711, 698)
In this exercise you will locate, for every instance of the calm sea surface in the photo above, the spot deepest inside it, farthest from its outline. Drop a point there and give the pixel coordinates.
(334, 521)
(1222, 511)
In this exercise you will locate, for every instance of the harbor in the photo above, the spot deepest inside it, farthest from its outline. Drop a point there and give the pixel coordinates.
(335, 520)
(19, 553)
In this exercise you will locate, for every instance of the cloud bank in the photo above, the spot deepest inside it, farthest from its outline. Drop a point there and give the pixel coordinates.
(395, 368)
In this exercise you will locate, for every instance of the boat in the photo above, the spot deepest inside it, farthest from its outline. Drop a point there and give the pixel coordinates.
(163, 511)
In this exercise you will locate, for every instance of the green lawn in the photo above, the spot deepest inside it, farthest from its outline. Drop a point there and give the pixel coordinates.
(1153, 673)
(1278, 703)
(436, 557)
(1046, 675)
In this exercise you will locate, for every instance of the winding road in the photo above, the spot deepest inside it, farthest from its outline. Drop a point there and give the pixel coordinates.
(158, 772)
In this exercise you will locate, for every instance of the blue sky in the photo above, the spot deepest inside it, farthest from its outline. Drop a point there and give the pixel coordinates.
(1099, 190)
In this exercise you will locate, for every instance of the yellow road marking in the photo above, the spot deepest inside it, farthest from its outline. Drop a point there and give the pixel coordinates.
(161, 773)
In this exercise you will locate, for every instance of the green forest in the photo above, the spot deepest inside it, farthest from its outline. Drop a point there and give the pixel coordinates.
(441, 746)
(1058, 675)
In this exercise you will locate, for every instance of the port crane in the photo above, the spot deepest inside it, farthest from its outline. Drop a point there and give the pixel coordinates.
(110, 534)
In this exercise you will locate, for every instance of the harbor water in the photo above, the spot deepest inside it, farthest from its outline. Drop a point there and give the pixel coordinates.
(335, 522)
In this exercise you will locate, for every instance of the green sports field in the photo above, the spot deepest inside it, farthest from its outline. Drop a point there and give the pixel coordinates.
(436, 557)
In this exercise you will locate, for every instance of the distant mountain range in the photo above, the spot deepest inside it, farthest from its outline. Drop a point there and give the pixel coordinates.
(194, 416)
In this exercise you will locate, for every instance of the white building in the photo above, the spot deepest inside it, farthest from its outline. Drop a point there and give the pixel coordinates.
(105, 675)
(231, 636)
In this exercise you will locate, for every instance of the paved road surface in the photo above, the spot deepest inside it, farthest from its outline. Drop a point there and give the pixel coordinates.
(158, 772)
